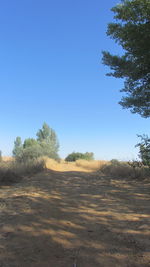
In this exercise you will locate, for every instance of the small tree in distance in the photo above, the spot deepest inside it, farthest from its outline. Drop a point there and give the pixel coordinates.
(45, 145)
(18, 147)
(77, 155)
(48, 141)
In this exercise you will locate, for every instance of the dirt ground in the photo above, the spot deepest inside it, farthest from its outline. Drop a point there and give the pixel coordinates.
(74, 219)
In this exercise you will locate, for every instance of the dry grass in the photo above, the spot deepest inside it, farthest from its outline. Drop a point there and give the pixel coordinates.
(93, 165)
(79, 165)
(124, 170)
(7, 158)
(61, 166)
(11, 171)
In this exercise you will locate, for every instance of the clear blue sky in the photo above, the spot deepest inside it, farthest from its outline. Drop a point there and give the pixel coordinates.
(51, 70)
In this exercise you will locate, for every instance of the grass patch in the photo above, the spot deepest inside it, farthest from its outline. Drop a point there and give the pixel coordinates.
(91, 164)
(12, 171)
(78, 165)
(125, 170)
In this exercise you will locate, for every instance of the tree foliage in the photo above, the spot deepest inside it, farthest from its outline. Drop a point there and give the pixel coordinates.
(45, 145)
(48, 140)
(29, 142)
(131, 30)
(77, 155)
(144, 147)
(30, 153)
(17, 147)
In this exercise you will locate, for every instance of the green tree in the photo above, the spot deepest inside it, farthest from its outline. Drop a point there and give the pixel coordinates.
(18, 147)
(131, 30)
(30, 153)
(45, 145)
(77, 155)
(31, 150)
(89, 156)
(144, 147)
(48, 141)
(29, 142)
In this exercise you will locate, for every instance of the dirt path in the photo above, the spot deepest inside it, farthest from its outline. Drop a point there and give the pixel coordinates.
(73, 219)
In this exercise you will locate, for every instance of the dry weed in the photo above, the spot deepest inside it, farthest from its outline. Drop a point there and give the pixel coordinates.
(12, 171)
(124, 170)
(91, 165)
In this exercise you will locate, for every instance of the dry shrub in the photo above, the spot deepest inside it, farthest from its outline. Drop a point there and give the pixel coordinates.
(7, 173)
(124, 170)
(51, 163)
(30, 167)
(12, 171)
(92, 165)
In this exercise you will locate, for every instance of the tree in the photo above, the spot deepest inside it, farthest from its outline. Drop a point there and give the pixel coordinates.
(48, 141)
(18, 147)
(89, 156)
(132, 31)
(77, 155)
(31, 150)
(30, 153)
(144, 147)
(29, 142)
(45, 145)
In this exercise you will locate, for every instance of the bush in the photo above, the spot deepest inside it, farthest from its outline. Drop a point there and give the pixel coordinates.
(125, 170)
(30, 167)
(120, 170)
(30, 153)
(7, 173)
(12, 171)
(115, 162)
(77, 155)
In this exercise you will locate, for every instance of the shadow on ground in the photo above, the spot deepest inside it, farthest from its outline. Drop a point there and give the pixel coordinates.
(66, 219)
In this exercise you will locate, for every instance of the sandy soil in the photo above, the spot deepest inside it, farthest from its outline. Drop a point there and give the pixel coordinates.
(74, 219)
